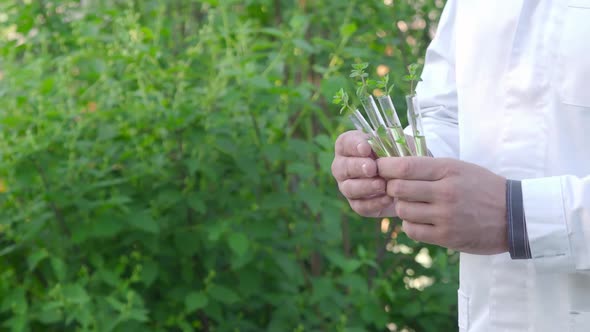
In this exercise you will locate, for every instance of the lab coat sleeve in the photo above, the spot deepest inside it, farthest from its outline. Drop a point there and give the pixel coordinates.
(437, 92)
(557, 211)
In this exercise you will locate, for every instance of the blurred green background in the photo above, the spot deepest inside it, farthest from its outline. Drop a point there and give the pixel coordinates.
(165, 166)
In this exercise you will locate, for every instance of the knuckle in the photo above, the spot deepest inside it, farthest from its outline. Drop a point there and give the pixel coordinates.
(449, 192)
(450, 168)
(334, 167)
(395, 188)
(347, 167)
(447, 215)
(360, 208)
(343, 187)
(411, 231)
(338, 168)
(371, 167)
(354, 205)
(341, 140)
(381, 166)
(405, 168)
(401, 209)
(379, 186)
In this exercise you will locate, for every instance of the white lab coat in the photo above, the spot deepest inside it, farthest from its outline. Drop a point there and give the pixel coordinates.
(506, 85)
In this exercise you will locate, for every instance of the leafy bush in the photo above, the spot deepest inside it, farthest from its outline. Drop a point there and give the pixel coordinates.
(165, 167)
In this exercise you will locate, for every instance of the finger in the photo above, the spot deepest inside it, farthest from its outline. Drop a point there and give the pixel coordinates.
(373, 207)
(344, 168)
(362, 188)
(416, 212)
(353, 144)
(412, 191)
(420, 232)
(413, 168)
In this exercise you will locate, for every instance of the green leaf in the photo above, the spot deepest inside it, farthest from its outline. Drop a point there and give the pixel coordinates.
(196, 203)
(143, 220)
(304, 45)
(185, 243)
(238, 243)
(382, 132)
(104, 226)
(348, 30)
(116, 304)
(149, 272)
(36, 258)
(59, 268)
(138, 314)
(195, 301)
(75, 294)
(360, 66)
(50, 313)
(223, 294)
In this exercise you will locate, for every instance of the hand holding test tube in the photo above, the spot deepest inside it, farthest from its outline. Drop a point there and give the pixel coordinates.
(385, 132)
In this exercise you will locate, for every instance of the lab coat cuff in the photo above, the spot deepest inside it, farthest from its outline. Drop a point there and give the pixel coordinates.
(546, 224)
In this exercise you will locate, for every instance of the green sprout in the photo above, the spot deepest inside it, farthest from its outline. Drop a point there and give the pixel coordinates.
(413, 77)
(342, 99)
(383, 84)
(365, 84)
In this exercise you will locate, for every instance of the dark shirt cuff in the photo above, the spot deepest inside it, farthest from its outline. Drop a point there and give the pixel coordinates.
(518, 240)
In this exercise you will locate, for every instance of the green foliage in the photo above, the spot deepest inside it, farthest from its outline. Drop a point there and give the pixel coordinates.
(166, 167)
(384, 85)
(359, 73)
(413, 77)
(342, 99)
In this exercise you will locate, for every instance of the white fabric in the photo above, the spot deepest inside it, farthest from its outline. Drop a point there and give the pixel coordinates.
(506, 85)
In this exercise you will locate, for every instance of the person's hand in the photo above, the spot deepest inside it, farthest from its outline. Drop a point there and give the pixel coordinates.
(355, 169)
(448, 202)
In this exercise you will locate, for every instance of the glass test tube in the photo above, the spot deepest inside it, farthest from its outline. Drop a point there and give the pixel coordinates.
(387, 141)
(415, 119)
(394, 124)
(361, 124)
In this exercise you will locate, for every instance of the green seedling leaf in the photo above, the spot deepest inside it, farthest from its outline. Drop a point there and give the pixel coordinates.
(223, 294)
(348, 30)
(36, 258)
(413, 77)
(383, 84)
(359, 73)
(341, 98)
(195, 301)
(59, 268)
(238, 243)
(75, 294)
(360, 66)
(382, 132)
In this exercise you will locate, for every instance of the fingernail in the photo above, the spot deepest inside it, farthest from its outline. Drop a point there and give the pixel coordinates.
(361, 149)
(365, 169)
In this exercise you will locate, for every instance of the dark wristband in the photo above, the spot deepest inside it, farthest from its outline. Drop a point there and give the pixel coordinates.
(518, 240)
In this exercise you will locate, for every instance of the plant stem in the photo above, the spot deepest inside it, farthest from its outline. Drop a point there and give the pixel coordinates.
(56, 211)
